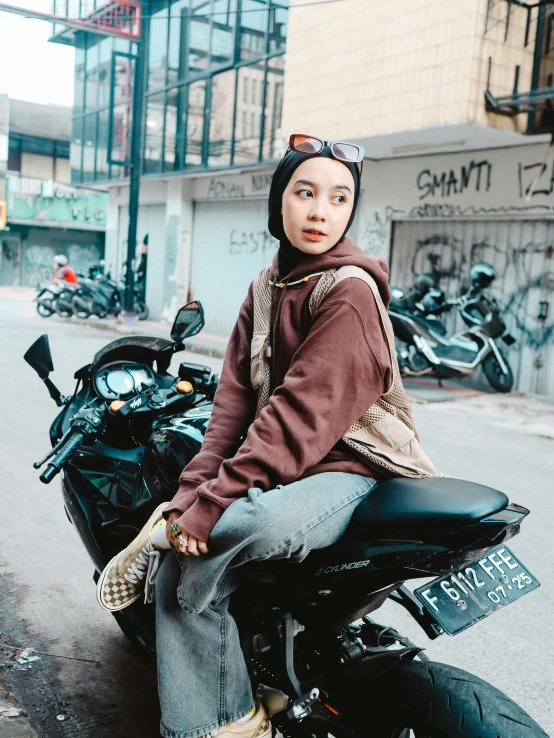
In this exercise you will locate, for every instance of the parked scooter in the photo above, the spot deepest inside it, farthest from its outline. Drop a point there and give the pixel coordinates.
(425, 349)
(47, 294)
(102, 296)
(56, 298)
(64, 303)
(423, 299)
(318, 662)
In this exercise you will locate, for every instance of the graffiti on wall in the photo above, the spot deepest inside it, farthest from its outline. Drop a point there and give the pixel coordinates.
(38, 264)
(475, 176)
(530, 302)
(374, 230)
(38, 260)
(532, 180)
(221, 188)
(524, 283)
(441, 254)
(250, 242)
(446, 210)
(261, 181)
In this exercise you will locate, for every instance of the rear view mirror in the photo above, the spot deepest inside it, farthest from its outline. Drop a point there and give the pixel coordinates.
(188, 322)
(39, 357)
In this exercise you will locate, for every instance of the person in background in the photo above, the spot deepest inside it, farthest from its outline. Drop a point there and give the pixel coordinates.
(62, 271)
(141, 267)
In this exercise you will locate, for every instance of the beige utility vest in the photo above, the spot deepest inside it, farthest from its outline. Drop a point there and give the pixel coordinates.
(385, 435)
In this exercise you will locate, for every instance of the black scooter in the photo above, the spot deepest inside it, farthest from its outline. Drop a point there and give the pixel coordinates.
(424, 348)
(102, 296)
(321, 665)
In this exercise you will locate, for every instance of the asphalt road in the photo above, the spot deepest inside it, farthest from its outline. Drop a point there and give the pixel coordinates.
(47, 594)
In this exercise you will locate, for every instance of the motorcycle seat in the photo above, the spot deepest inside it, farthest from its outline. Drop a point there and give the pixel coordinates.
(437, 502)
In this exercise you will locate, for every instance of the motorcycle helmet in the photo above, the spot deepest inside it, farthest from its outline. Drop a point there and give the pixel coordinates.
(60, 259)
(433, 300)
(422, 285)
(482, 275)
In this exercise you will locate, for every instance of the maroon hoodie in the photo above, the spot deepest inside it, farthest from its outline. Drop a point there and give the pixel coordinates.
(326, 372)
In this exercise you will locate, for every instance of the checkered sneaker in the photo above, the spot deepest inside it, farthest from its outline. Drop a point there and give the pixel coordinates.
(132, 570)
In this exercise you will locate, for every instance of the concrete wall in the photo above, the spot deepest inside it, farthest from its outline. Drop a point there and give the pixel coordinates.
(491, 184)
(368, 67)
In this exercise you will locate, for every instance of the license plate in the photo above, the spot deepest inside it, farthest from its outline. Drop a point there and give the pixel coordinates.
(460, 599)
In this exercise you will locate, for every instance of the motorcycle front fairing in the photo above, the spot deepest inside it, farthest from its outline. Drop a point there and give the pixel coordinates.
(109, 493)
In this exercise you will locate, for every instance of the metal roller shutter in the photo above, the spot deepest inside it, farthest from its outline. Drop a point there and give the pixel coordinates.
(230, 245)
(522, 253)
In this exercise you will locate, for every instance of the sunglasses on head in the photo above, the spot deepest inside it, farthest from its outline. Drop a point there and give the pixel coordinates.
(341, 150)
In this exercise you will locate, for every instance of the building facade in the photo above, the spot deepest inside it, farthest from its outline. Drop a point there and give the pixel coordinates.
(452, 102)
(41, 214)
(213, 101)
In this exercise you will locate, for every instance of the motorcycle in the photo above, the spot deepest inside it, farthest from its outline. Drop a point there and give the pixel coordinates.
(56, 298)
(424, 300)
(46, 297)
(319, 663)
(64, 303)
(102, 296)
(425, 349)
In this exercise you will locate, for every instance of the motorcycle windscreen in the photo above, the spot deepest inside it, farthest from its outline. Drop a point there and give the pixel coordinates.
(131, 348)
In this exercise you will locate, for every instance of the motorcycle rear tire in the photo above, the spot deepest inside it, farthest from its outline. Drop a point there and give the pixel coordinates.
(493, 372)
(433, 700)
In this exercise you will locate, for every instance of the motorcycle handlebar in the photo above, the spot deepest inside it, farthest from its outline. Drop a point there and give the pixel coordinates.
(54, 467)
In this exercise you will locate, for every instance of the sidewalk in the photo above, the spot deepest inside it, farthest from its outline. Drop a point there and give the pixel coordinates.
(530, 414)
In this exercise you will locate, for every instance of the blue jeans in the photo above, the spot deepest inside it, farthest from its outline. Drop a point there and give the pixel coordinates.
(203, 681)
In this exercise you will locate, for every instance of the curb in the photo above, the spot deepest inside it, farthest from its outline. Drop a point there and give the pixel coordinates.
(14, 722)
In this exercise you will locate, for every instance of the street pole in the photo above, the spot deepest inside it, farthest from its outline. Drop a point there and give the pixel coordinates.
(135, 167)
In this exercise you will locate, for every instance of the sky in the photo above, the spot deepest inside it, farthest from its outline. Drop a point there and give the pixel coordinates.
(31, 68)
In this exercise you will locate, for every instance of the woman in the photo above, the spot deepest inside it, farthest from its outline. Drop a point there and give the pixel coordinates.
(292, 484)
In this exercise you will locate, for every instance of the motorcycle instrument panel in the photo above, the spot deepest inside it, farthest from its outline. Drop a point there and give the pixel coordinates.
(123, 380)
(461, 598)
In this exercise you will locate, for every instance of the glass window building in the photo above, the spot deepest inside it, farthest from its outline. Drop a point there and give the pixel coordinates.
(213, 90)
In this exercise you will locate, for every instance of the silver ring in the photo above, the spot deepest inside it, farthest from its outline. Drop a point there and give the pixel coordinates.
(182, 541)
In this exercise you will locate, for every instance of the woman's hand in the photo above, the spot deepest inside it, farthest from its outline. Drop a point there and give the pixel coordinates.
(194, 547)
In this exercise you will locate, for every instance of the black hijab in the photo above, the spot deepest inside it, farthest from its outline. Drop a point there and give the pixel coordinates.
(289, 256)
